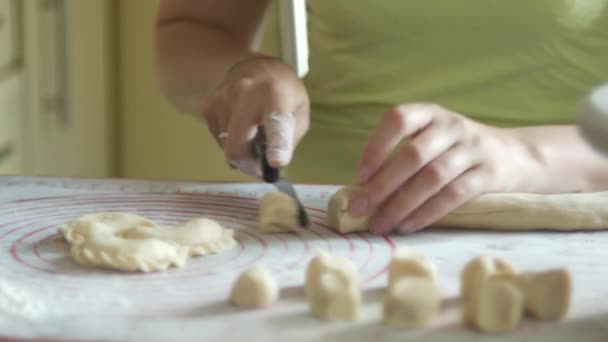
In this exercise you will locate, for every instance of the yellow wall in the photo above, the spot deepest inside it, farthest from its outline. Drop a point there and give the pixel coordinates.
(156, 142)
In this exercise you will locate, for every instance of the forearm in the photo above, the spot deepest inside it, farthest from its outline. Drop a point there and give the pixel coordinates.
(563, 161)
(192, 59)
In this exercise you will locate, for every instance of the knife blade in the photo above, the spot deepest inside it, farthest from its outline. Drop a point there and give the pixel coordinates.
(272, 176)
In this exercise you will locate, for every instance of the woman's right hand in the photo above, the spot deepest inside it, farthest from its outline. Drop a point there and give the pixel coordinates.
(258, 91)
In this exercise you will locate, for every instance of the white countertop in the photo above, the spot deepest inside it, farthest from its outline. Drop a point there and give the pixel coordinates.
(43, 293)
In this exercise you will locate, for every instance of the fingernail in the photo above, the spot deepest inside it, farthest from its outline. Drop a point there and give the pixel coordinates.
(249, 167)
(381, 226)
(358, 206)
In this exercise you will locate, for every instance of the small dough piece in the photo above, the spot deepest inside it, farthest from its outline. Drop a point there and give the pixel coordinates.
(478, 270)
(255, 288)
(131, 243)
(410, 262)
(547, 294)
(332, 288)
(339, 216)
(278, 213)
(411, 302)
(497, 308)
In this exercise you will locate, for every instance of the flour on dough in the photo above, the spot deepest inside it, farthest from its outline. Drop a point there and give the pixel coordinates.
(131, 243)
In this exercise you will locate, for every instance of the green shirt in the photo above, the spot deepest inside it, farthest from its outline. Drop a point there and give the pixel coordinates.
(505, 63)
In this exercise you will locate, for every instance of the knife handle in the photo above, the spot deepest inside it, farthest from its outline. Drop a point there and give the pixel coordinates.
(271, 174)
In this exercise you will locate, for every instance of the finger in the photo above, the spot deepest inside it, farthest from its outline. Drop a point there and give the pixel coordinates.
(285, 121)
(430, 143)
(242, 127)
(399, 122)
(463, 189)
(424, 185)
(280, 138)
(214, 114)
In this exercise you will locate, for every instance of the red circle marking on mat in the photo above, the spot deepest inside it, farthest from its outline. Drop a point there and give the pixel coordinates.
(14, 254)
(148, 278)
(127, 195)
(244, 224)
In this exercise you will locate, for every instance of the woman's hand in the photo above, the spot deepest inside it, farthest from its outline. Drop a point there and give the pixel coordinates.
(448, 161)
(258, 91)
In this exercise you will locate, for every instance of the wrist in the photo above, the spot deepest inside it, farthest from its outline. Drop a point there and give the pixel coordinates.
(249, 59)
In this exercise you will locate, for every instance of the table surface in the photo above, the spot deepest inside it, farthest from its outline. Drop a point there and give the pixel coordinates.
(44, 294)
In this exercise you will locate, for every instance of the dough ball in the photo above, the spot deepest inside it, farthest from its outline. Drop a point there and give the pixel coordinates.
(497, 307)
(339, 216)
(332, 288)
(278, 213)
(409, 262)
(478, 270)
(547, 294)
(255, 288)
(411, 302)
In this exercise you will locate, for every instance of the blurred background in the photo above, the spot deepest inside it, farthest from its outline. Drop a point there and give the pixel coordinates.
(78, 95)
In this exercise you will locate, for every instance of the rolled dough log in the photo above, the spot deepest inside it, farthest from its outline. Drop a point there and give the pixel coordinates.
(508, 211)
(278, 213)
(580, 211)
(332, 288)
(131, 243)
(254, 288)
(411, 302)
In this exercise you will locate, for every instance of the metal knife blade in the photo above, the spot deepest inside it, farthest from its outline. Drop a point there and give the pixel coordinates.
(273, 175)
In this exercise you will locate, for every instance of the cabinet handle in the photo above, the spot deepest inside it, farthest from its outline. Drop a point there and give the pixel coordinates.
(6, 152)
(55, 78)
(2, 22)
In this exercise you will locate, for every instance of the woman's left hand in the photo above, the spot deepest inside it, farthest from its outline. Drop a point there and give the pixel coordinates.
(448, 160)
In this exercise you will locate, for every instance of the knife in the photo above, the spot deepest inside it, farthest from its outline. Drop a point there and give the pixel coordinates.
(273, 176)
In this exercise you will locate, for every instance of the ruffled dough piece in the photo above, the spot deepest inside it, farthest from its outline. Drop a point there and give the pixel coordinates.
(129, 242)
(202, 236)
(81, 229)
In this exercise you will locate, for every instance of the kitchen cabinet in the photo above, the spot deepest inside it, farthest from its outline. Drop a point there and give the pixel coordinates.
(11, 147)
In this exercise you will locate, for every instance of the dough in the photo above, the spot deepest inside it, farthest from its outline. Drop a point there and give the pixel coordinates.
(508, 211)
(129, 242)
(278, 213)
(547, 294)
(332, 288)
(411, 302)
(339, 216)
(498, 306)
(578, 211)
(254, 288)
(409, 262)
(478, 270)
